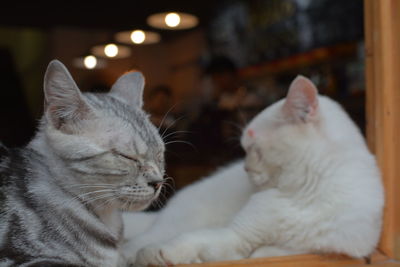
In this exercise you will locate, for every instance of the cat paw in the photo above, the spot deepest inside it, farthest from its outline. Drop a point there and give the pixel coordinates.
(150, 255)
(128, 253)
(196, 247)
(167, 255)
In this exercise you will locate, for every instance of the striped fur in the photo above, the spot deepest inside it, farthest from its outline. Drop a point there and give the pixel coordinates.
(93, 155)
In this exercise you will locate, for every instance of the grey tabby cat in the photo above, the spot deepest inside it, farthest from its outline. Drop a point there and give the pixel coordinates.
(93, 155)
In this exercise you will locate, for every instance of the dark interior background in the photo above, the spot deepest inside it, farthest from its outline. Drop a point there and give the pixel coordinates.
(212, 78)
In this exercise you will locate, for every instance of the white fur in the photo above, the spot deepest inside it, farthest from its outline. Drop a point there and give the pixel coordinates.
(318, 190)
(209, 202)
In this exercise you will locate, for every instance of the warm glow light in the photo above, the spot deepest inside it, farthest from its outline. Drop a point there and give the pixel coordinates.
(111, 50)
(90, 62)
(138, 36)
(172, 19)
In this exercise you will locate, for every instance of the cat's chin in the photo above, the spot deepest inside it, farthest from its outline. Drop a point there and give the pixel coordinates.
(132, 205)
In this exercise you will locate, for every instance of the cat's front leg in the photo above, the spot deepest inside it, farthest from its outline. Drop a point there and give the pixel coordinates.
(196, 247)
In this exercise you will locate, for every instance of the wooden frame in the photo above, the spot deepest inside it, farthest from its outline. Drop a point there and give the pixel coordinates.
(382, 41)
(382, 27)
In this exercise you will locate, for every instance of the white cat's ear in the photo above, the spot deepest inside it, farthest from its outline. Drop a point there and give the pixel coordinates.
(63, 100)
(129, 88)
(301, 104)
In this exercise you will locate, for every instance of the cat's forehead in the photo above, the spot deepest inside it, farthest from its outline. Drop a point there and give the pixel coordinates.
(266, 118)
(124, 126)
(265, 121)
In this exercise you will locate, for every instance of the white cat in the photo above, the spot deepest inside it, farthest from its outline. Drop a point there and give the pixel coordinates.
(314, 188)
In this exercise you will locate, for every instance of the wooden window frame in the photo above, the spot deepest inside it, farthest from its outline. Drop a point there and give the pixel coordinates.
(382, 58)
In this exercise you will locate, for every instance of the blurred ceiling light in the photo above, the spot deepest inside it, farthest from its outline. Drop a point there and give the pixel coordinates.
(137, 37)
(89, 62)
(173, 21)
(111, 51)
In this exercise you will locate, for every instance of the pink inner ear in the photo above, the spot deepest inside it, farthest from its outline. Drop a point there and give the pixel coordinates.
(302, 99)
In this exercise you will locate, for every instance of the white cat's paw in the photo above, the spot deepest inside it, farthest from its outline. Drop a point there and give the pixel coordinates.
(150, 255)
(129, 251)
(168, 254)
(196, 247)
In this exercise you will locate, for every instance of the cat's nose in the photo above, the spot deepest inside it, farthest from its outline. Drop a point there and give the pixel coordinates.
(155, 184)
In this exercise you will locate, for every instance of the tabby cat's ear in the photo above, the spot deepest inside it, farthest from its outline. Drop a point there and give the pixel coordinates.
(301, 104)
(63, 100)
(129, 88)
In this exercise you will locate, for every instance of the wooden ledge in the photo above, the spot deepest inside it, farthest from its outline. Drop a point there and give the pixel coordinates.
(307, 260)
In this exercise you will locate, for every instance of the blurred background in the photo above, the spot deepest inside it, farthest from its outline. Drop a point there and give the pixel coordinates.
(210, 66)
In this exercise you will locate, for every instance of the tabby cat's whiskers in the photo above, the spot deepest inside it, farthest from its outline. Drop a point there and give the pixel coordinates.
(166, 115)
(172, 124)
